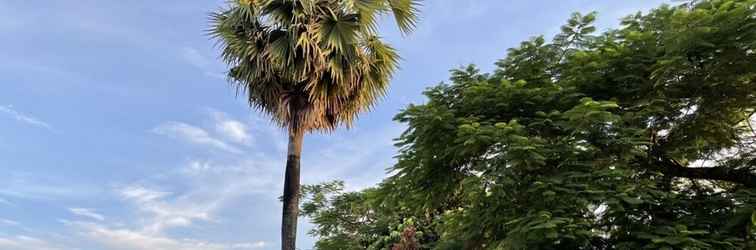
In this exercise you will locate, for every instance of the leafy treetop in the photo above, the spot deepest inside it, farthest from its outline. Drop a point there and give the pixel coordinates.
(637, 138)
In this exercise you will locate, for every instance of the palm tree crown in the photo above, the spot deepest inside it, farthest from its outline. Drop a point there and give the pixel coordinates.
(310, 64)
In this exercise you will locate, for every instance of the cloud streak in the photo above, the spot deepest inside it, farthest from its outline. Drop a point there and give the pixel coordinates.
(24, 118)
(9, 222)
(22, 242)
(193, 135)
(85, 212)
(125, 239)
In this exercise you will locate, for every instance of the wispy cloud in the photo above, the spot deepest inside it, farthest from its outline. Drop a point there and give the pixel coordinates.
(231, 129)
(86, 212)
(158, 211)
(207, 189)
(5, 202)
(162, 213)
(201, 62)
(22, 242)
(142, 194)
(23, 185)
(194, 135)
(125, 239)
(250, 245)
(202, 192)
(24, 118)
(9, 222)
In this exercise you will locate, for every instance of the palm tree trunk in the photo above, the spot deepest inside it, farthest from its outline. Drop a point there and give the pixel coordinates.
(291, 191)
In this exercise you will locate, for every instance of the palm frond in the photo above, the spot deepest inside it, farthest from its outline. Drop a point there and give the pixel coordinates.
(405, 14)
(310, 64)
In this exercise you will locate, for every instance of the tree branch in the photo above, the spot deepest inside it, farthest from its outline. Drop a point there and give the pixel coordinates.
(743, 176)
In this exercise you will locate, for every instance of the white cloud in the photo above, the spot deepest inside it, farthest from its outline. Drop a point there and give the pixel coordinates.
(142, 194)
(85, 212)
(22, 242)
(251, 245)
(234, 130)
(24, 118)
(194, 135)
(5, 202)
(9, 222)
(209, 185)
(231, 129)
(163, 213)
(207, 188)
(124, 239)
(206, 193)
(197, 167)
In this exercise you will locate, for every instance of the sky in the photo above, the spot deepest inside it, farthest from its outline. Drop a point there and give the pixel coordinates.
(119, 132)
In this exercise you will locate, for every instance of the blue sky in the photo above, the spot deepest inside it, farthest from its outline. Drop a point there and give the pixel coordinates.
(118, 132)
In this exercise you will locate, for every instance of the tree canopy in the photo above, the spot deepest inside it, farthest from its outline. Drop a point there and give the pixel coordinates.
(640, 137)
(310, 64)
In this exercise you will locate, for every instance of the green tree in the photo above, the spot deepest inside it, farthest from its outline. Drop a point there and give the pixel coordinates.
(309, 64)
(637, 138)
(359, 220)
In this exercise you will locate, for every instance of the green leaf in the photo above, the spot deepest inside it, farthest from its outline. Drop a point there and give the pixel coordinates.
(552, 235)
(632, 200)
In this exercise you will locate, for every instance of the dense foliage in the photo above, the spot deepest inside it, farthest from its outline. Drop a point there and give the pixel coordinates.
(637, 138)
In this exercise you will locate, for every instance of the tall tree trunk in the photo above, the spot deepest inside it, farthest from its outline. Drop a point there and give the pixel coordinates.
(291, 191)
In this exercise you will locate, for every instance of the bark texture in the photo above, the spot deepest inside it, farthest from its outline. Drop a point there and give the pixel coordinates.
(291, 192)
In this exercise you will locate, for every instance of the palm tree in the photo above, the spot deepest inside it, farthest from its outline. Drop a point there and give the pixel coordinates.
(311, 65)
